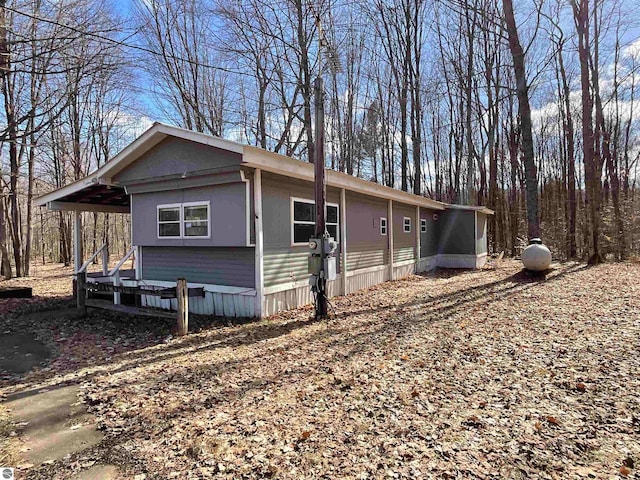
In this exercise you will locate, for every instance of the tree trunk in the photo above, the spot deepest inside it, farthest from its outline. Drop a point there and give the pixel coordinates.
(524, 111)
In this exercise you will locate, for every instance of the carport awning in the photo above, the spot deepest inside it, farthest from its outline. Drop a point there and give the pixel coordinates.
(88, 196)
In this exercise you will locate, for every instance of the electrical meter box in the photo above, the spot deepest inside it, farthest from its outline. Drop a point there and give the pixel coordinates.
(317, 263)
(330, 268)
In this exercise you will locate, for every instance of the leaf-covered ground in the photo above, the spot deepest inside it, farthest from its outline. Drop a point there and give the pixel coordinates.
(455, 374)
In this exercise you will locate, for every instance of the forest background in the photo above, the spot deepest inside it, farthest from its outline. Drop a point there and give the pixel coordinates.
(427, 97)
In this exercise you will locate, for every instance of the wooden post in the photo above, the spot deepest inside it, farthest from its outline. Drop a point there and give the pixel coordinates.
(105, 260)
(320, 195)
(116, 283)
(183, 306)
(81, 292)
(77, 241)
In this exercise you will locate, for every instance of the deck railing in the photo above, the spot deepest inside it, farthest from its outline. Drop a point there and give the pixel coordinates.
(115, 272)
(104, 249)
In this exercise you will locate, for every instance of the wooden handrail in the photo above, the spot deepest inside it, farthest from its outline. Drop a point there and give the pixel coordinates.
(121, 262)
(86, 264)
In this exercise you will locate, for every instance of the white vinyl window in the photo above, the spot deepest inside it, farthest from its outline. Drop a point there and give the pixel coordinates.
(383, 226)
(303, 220)
(423, 225)
(406, 225)
(195, 219)
(169, 221)
(184, 220)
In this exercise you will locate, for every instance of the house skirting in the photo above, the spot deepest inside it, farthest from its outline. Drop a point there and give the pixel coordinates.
(226, 301)
(219, 300)
(462, 261)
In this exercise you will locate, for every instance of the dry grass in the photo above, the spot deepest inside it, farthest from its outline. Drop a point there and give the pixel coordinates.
(476, 374)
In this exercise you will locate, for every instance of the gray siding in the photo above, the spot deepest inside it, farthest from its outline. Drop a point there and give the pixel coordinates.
(216, 266)
(481, 234)
(284, 262)
(403, 242)
(228, 215)
(457, 232)
(429, 240)
(175, 156)
(365, 246)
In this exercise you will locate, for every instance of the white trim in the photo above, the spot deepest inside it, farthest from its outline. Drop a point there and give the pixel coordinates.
(77, 240)
(362, 271)
(281, 287)
(343, 239)
(138, 265)
(181, 221)
(168, 206)
(404, 263)
(423, 225)
(282, 165)
(481, 209)
(196, 204)
(66, 190)
(404, 225)
(475, 232)
(386, 226)
(259, 244)
(390, 237)
(86, 207)
(208, 287)
(418, 234)
(247, 204)
(154, 135)
(301, 222)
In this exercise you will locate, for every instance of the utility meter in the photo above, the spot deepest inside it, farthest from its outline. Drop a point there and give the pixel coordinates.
(322, 257)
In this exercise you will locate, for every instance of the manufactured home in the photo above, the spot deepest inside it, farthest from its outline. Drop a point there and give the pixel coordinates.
(235, 220)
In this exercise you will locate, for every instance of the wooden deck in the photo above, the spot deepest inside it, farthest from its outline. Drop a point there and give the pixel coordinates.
(129, 310)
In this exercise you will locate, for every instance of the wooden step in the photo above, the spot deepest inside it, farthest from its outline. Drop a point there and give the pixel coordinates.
(107, 305)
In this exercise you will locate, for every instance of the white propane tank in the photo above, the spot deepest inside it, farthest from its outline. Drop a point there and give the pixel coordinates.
(536, 257)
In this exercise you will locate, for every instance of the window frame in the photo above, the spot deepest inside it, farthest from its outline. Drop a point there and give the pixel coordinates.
(423, 225)
(168, 206)
(202, 203)
(304, 222)
(181, 221)
(386, 226)
(405, 224)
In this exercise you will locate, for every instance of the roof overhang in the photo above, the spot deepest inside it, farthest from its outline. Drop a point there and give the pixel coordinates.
(95, 192)
(83, 188)
(479, 209)
(255, 157)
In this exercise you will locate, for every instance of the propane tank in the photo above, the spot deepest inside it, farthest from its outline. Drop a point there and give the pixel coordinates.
(536, 257)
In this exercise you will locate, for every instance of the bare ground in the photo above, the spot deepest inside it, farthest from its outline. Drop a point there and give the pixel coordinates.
(477, 374)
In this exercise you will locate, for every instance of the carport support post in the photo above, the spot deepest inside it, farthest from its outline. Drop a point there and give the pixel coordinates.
(183, 306)
(81, 292)
(77, 240)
